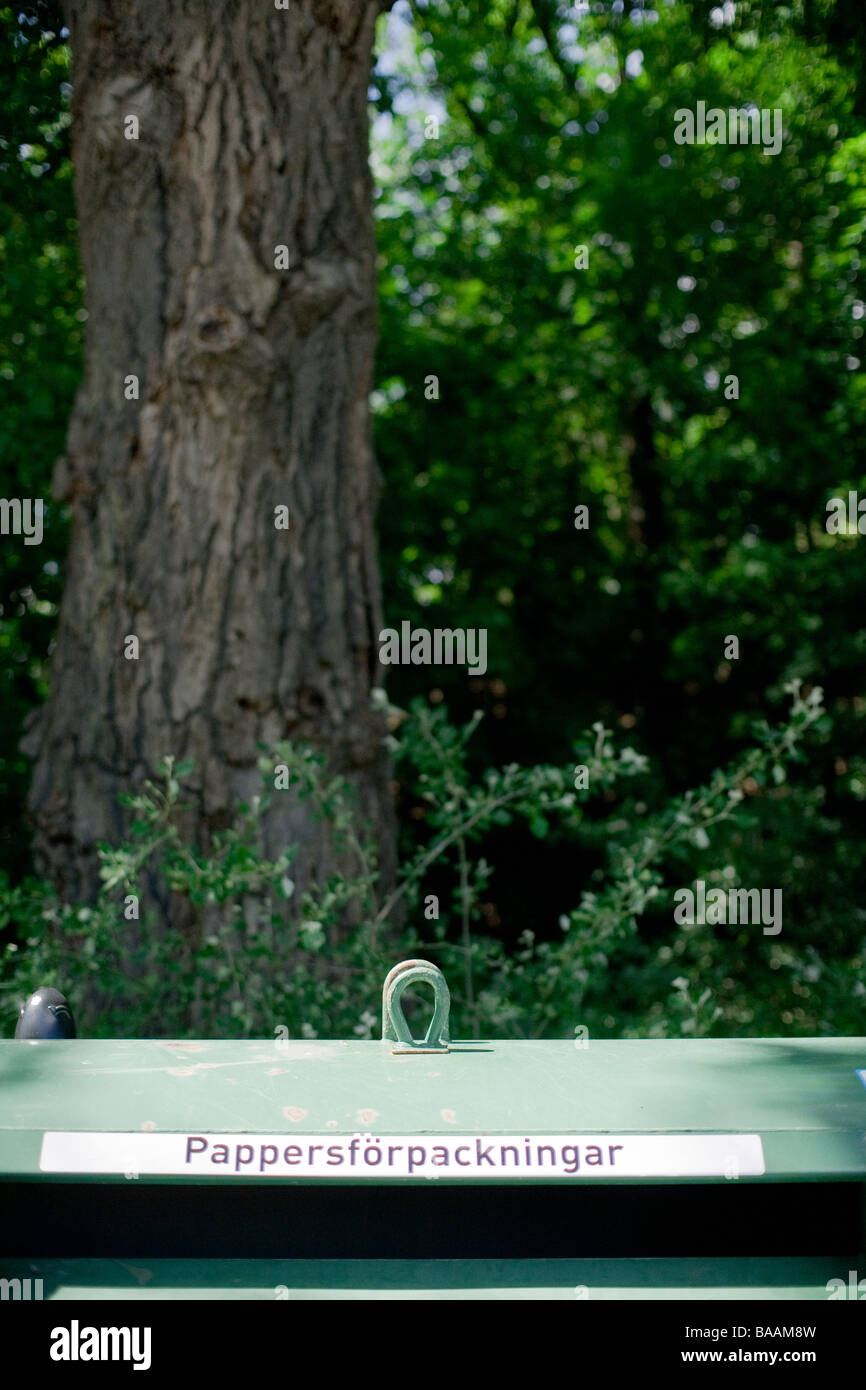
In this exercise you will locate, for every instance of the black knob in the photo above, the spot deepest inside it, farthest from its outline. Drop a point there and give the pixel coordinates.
(45, 1015)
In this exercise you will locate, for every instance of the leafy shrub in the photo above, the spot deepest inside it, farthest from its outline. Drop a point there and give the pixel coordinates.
(617, 966)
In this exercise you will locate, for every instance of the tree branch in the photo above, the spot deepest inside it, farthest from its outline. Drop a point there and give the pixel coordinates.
(545, 15)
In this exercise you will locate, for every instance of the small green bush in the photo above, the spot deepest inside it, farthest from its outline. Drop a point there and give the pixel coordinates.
(615, 964)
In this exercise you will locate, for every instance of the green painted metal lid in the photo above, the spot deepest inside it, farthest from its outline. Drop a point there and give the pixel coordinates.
(802, 1099)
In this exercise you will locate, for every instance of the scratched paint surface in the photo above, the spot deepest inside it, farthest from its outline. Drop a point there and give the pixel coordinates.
(803, 1096)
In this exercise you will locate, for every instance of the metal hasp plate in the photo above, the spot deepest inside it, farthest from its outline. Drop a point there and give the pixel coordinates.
(700, 1168)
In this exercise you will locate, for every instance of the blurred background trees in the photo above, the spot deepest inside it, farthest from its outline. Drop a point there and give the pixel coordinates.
(559, 386)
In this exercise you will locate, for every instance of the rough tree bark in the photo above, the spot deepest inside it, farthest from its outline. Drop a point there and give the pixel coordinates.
(253, 131)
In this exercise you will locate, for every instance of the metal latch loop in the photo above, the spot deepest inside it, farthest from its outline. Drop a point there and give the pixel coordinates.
(394, 1026)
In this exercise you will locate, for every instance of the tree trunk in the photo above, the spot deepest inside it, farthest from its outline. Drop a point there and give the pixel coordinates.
(252, 135)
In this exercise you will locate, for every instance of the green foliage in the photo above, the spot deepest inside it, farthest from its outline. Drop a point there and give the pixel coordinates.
(40, 362)
(561, 385)
(605, 386)
(247, 969)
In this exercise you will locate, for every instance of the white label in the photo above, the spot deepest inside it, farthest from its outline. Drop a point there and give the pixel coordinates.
(569, 1157)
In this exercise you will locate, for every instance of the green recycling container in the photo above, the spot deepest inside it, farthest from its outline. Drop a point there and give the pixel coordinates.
(430, 1168)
